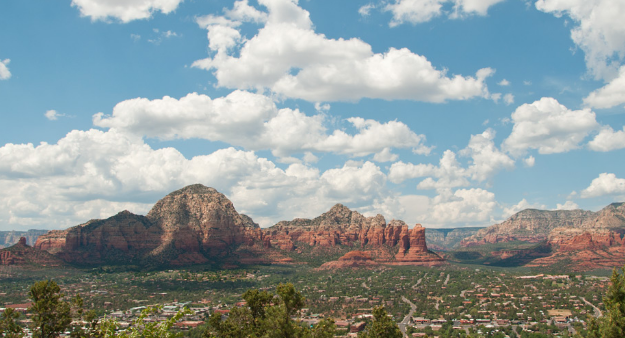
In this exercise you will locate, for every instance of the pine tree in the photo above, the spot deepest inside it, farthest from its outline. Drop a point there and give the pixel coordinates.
(51, 315)
(8, 326)
(382, 326)
(612, 323)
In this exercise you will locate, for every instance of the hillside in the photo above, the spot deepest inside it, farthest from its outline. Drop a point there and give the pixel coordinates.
(8, 238)
(21, 255)
(448, 239)
(199, 225)
(579, 239)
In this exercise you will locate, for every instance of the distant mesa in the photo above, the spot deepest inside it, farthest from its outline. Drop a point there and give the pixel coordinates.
(199, 225)
(8, 238)
(585, 239)
(21, 254)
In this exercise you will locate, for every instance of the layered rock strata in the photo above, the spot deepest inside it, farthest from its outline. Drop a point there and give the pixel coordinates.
(587, 239)
(197, 225)
(21, 254)
(341, 226)
(191, 225)
(8, 238)
(352, 259)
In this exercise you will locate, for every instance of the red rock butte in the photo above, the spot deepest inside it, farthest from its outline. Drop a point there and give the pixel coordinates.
(198, 225)
(21, 254)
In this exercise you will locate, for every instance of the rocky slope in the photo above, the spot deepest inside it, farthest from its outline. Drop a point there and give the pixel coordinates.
(529, 225)
(195, 224)
(448, 239)
(583, 239)
(8, 238)
(352, 259)
(394, 242)
(198, 225)
(21, 254)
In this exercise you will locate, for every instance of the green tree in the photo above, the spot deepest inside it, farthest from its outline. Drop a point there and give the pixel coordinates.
(143, 329)
(51, 315)
(8, 326)
(382, 326)
(88, 321)
(268, 316)
(612, 323)
(257, 301)
(324, 329)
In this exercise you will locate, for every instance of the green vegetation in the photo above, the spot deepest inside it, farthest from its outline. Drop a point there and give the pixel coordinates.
(382, 326)
(112, 299)
(612, 323)
(8, 325)
(268, 316)
(51, 315)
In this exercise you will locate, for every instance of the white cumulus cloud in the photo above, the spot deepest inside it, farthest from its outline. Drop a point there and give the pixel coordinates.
(95, 174)
(508, 99)
(529, 161)
(5, 74)
(504, 82)
(463, 205)
(449, 172)
(598, 31)
(52, 115)
(612, 94)
(487, 159)
(605, 184)
(608, 140)
(418, 11)
(365, 10)
(287, 57)
(568, 205)
(548, 126)
(124, 11)
(522, 205)
(254, 122)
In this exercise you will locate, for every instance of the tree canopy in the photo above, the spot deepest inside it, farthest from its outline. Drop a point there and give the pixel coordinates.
(612, 323)
(51, 315)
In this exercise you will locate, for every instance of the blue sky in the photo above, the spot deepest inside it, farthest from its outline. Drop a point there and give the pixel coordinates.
(447, 113)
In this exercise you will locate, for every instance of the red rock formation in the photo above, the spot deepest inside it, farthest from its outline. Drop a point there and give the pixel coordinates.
(534, 226)
(197, 218)
(585, 248)
(21, 254)
(352, 259)
(193, 223)
(417, 252)
(197, 225)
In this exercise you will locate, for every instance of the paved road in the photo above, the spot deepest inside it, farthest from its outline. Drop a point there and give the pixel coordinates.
(597, 311)
(406, 321)
(414, 287)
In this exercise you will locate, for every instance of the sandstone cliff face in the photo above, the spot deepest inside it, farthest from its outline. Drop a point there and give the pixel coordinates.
(535, 225)
(587, 239)
(338, 226)
(200, 219)
(191, 225)
(341, 226)
(197, 225)
(21, 254)
(566, 239)
(352, 259)
(8, 238)
(125, 235)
